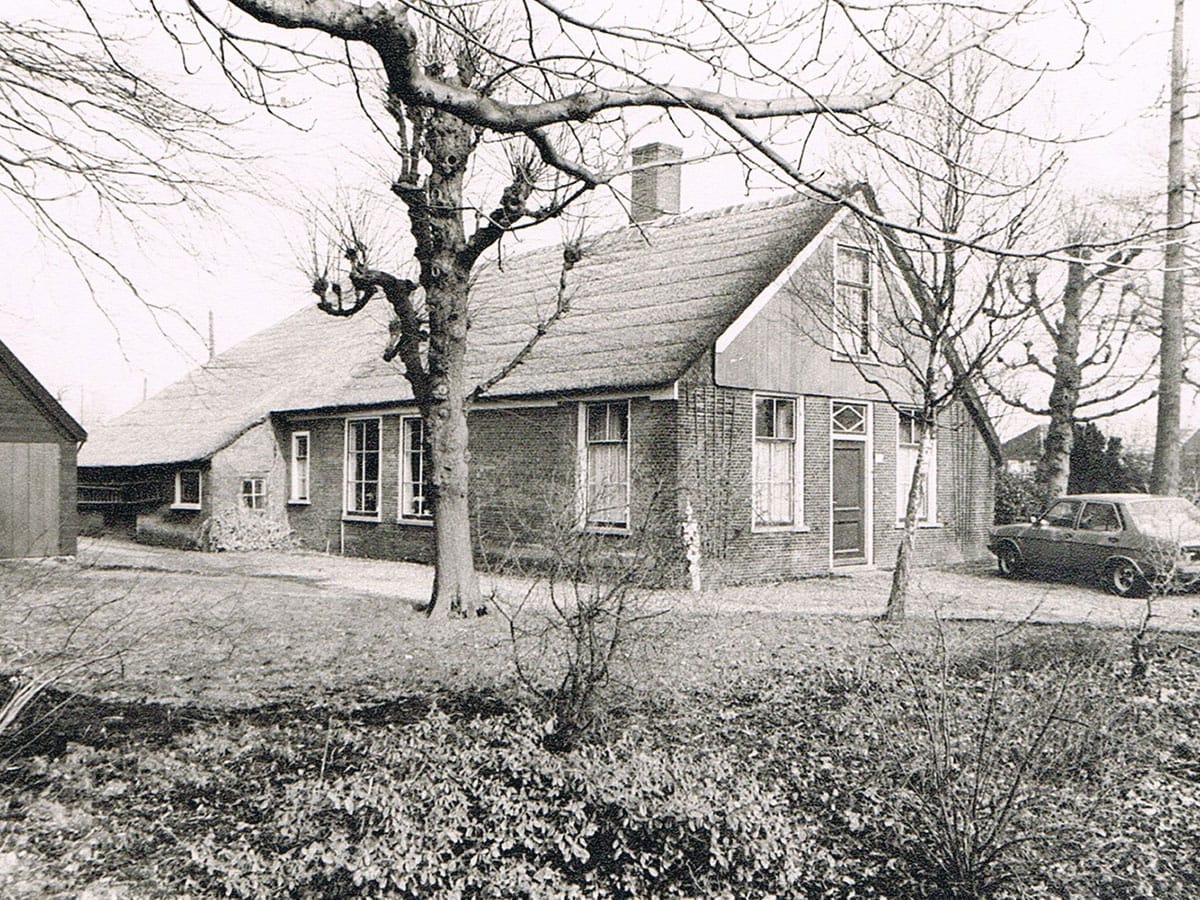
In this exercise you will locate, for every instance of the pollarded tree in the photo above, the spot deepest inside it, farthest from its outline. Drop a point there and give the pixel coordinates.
(456, 76)
(1090, 318)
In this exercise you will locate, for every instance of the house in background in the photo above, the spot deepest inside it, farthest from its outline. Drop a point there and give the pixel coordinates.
(683, 380)
(1021, 453)
(38, 443)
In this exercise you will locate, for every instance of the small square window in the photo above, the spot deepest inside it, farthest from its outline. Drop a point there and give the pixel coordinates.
(254, 493)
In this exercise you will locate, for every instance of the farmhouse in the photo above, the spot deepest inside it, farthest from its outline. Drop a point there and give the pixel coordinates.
(38, 442)
(670, 373)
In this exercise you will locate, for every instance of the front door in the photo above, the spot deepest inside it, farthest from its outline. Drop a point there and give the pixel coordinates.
(849, 503)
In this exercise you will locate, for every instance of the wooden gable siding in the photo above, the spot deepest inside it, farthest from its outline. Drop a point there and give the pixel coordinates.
(788, 346)
(21, 418)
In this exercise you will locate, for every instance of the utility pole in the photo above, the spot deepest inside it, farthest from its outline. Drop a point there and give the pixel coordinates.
(1165, 477)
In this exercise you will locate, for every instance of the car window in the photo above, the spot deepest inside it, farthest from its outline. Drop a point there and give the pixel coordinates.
(1166, 517)
(1099, 517)
(1062, 514)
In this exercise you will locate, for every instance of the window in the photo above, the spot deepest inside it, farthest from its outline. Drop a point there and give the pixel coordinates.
(1099, 517)
(300, 451)
(775, 495)
(606, 464)
(414, 470)
(849, 419)
(1062, 514)
(187, 489)
(362, 467)
(852, 283)
(908, 443)
(254, 493)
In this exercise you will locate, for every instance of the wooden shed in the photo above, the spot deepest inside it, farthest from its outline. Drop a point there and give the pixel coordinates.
(38, 444)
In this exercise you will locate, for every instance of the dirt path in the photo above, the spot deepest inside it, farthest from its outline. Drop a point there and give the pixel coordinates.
(965, 592)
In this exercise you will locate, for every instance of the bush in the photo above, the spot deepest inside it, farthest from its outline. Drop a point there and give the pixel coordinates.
(478, 808)
(1018, 497)
(243, 529)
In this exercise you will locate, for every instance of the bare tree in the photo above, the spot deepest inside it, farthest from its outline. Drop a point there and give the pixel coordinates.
(943, 318)
(80, 128)
(1167, 441)
(457, 76)
(1091, 318)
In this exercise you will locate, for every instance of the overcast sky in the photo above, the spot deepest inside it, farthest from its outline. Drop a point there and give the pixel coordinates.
(243, 260)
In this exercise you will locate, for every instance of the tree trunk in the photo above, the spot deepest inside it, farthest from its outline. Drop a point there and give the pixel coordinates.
(437, 225)
(1054, 467)
(1167, 440)
(904, 553)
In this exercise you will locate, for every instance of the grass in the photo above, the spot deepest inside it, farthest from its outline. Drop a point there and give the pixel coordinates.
(231, 692)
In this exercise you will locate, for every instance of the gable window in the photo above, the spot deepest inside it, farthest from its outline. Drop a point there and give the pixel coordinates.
(852, 289)
(908, 443)
(606, 464)
(414, 470)
(187, 489)
(362, 467)
(776, 494)
(300, 467)
(254, 493)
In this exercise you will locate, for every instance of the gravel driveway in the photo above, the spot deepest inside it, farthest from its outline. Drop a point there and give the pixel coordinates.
(970, 591)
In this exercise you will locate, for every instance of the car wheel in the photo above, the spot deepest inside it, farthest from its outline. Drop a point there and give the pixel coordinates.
(1008, 561)
(1125, 580)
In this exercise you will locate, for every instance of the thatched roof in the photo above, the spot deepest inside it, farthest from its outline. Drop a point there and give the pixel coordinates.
(644, 303)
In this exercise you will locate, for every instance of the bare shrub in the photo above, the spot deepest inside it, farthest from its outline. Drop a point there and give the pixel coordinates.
(585, 614)
(988, 766)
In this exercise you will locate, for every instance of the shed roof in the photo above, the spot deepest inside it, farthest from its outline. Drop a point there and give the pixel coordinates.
(643, 303)
(62, 420)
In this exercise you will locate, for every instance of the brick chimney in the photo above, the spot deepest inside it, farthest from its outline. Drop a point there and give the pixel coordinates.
(655, 190)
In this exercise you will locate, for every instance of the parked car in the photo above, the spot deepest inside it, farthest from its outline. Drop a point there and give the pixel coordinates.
(1132, 541)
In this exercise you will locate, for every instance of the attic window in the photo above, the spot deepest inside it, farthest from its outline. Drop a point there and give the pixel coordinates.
(852, 283)
(188, 494)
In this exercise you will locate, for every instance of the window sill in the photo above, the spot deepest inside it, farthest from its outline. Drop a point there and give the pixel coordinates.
(900, 525)
(360, 517)
(299, 503)
(858, 359)
(780, 529)
(422, 522)
(605, 529)
(187, 507)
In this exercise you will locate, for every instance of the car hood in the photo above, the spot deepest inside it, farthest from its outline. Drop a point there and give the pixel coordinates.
(1008, 530)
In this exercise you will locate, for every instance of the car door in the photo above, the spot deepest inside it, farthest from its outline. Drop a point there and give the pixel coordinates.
(1048, 542)
(1098, 535)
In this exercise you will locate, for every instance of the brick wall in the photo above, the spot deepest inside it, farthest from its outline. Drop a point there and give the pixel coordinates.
(715, 439)
(523, 484)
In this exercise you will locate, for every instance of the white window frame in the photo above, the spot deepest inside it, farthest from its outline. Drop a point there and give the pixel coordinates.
(406, 479)
(853, 319)
(179, 501)
(930, 519)
(294, 494)
(797, 523)
(582, 468)
(347, 472)
(258, 493)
